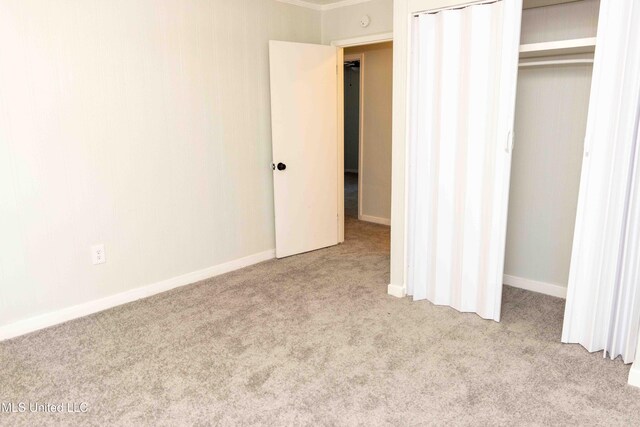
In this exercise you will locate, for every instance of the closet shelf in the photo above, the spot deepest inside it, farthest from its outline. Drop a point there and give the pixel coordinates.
(559, 47)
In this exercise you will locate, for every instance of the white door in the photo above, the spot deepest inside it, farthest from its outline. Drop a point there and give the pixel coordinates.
(304, 126)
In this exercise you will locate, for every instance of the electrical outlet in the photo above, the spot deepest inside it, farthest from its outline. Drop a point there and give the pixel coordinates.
(97, 254)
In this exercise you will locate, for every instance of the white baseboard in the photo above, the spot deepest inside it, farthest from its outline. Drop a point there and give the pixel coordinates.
(396, 291)
(552, 289)
(634, 374)
(374, 219)
(32, 324)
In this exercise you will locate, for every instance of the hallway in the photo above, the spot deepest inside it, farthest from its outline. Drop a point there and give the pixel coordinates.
(351, 194)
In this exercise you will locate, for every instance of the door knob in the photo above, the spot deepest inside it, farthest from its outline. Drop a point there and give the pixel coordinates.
(281, 166)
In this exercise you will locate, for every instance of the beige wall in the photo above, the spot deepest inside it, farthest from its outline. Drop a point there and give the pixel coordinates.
(375, 169)
(551, 119)
(140, 124)
(344, 22)
(573, 20)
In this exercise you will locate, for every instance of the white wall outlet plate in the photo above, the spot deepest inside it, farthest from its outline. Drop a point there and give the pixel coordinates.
(98, 255)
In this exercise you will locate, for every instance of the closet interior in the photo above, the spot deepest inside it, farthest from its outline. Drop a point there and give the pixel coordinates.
(558, 41)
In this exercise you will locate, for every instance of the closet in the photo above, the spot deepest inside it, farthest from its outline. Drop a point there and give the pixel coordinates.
(523, 160)
(552, 99)
(499, 98)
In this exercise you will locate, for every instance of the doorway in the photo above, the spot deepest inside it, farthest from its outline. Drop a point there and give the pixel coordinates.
(352, 131)
(367, 91)
(307, 129)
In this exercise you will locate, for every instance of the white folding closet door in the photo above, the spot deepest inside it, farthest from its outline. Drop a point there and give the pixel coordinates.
(603, 297)
(464, 65)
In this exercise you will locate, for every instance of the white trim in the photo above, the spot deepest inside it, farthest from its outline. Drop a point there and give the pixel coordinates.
(374, 219)
(401, 18)
(545, 63)
(361, 135)
(396, 291)
(340, 140)
(32, 324)
(558, 47)
(323, 7)
(363, 40)
(634, 375)
(552, 289)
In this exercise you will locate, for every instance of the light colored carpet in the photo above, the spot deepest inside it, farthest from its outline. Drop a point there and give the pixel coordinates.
(315, 340)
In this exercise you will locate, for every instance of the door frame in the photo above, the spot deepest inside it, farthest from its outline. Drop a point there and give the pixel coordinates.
(341, 45)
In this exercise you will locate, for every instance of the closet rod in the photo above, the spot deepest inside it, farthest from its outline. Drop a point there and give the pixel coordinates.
(555, 62)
